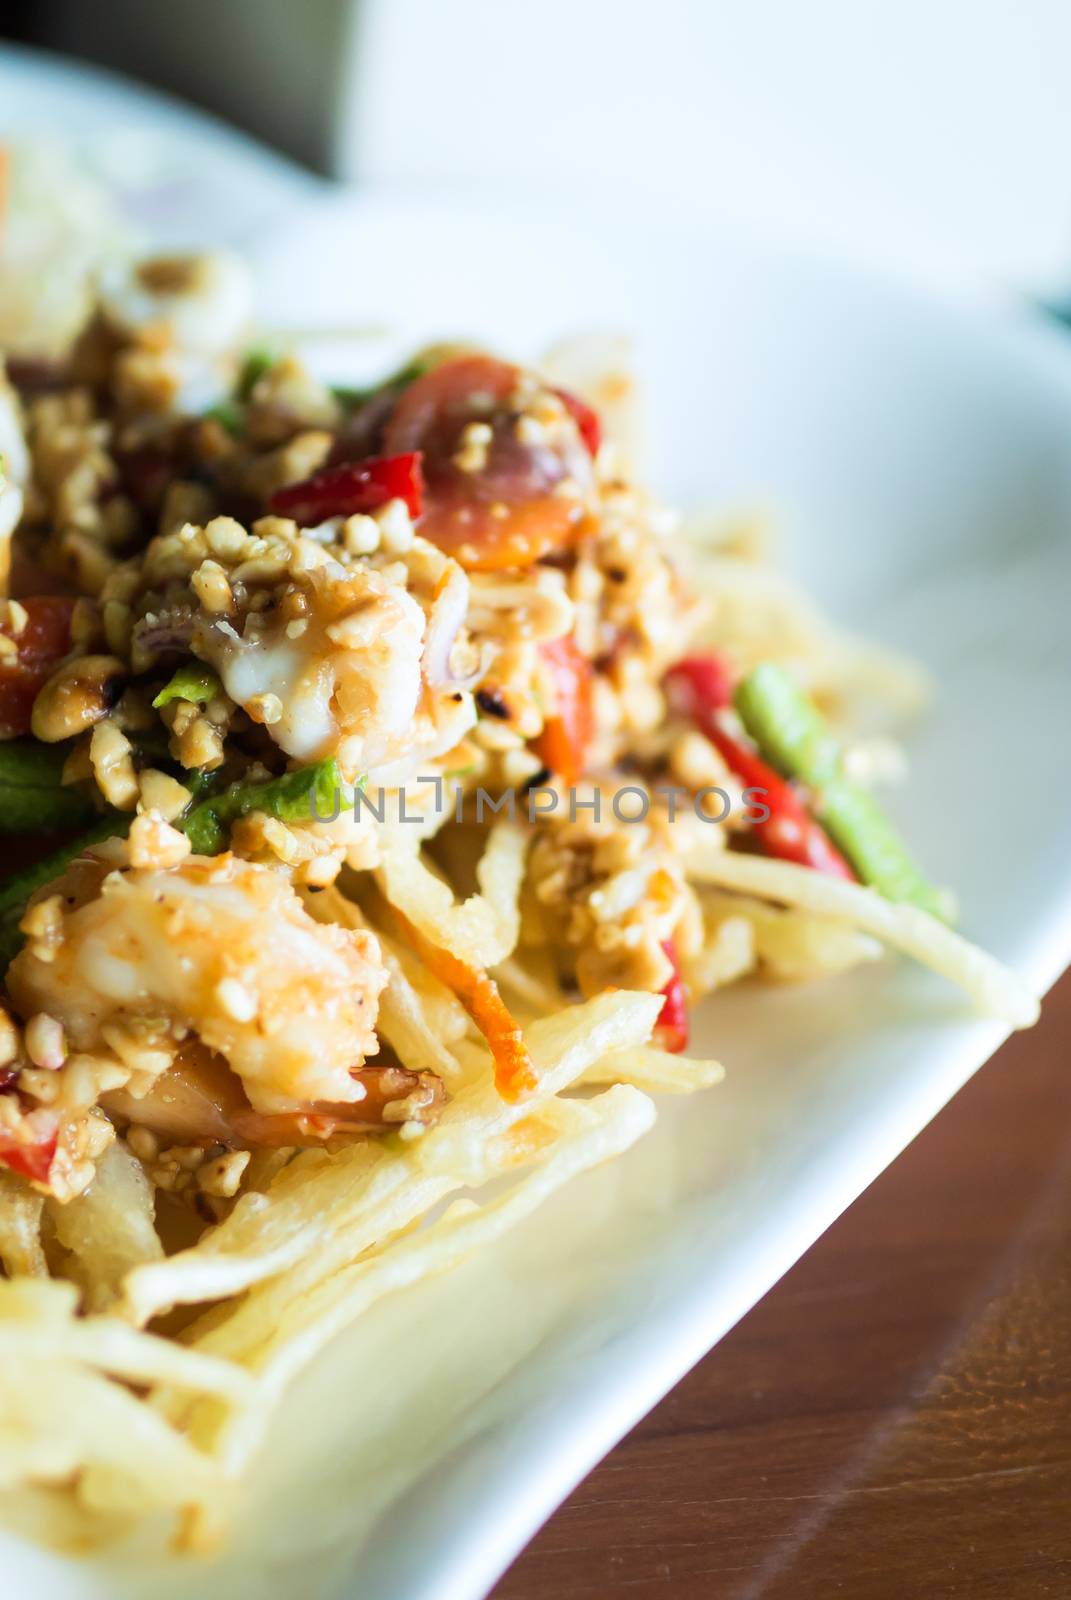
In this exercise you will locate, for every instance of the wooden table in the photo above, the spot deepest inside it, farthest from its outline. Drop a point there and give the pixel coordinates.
(894, 1420)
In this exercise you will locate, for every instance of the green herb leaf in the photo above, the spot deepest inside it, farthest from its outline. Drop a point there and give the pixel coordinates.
(408, 373)
(259, 360)
(193, 681)
(300, 796)
(230, 414)
(311, 792)
(33, 798)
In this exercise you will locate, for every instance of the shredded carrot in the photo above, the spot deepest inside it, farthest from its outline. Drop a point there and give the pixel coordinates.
(515, 1075)
(563, 744)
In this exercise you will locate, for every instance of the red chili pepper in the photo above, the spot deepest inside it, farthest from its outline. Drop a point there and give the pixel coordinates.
(788, 832)
(702, 686)
(355, 487)
(41, 644)
(587, 420)
(29, 1160)
(563, 744)
(671, 1029)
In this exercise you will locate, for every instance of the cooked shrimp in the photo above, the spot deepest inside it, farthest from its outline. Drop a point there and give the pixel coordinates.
(202, 301)
(221, 948)
(199, 1101)
(344, 674)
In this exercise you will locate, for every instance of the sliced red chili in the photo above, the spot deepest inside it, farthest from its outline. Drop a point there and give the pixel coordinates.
(788, 833)
(700, 684)
(586, 418)
(671, 1029)
(355, 487)
(701, 687)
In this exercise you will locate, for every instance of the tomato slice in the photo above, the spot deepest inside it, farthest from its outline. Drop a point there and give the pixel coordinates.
(42, 642)
(498, 498)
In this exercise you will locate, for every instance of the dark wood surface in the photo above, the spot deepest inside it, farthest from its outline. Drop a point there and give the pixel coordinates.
(894, 1420)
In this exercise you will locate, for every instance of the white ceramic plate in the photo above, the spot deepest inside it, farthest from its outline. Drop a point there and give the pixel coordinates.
(921, 455)
(179, 175)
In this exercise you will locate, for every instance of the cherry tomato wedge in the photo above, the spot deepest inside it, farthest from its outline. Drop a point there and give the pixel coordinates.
(39, 645)
(562, 746)
(30, 1160)
(358, 486)
(503, 489)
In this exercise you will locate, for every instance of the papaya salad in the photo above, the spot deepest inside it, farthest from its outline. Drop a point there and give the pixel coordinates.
(384, 779)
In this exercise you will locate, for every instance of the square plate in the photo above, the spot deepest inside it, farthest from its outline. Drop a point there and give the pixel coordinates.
(919, 451)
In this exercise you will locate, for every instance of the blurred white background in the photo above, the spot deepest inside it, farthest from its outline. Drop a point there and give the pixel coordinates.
(930, 130)
(930, 133)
